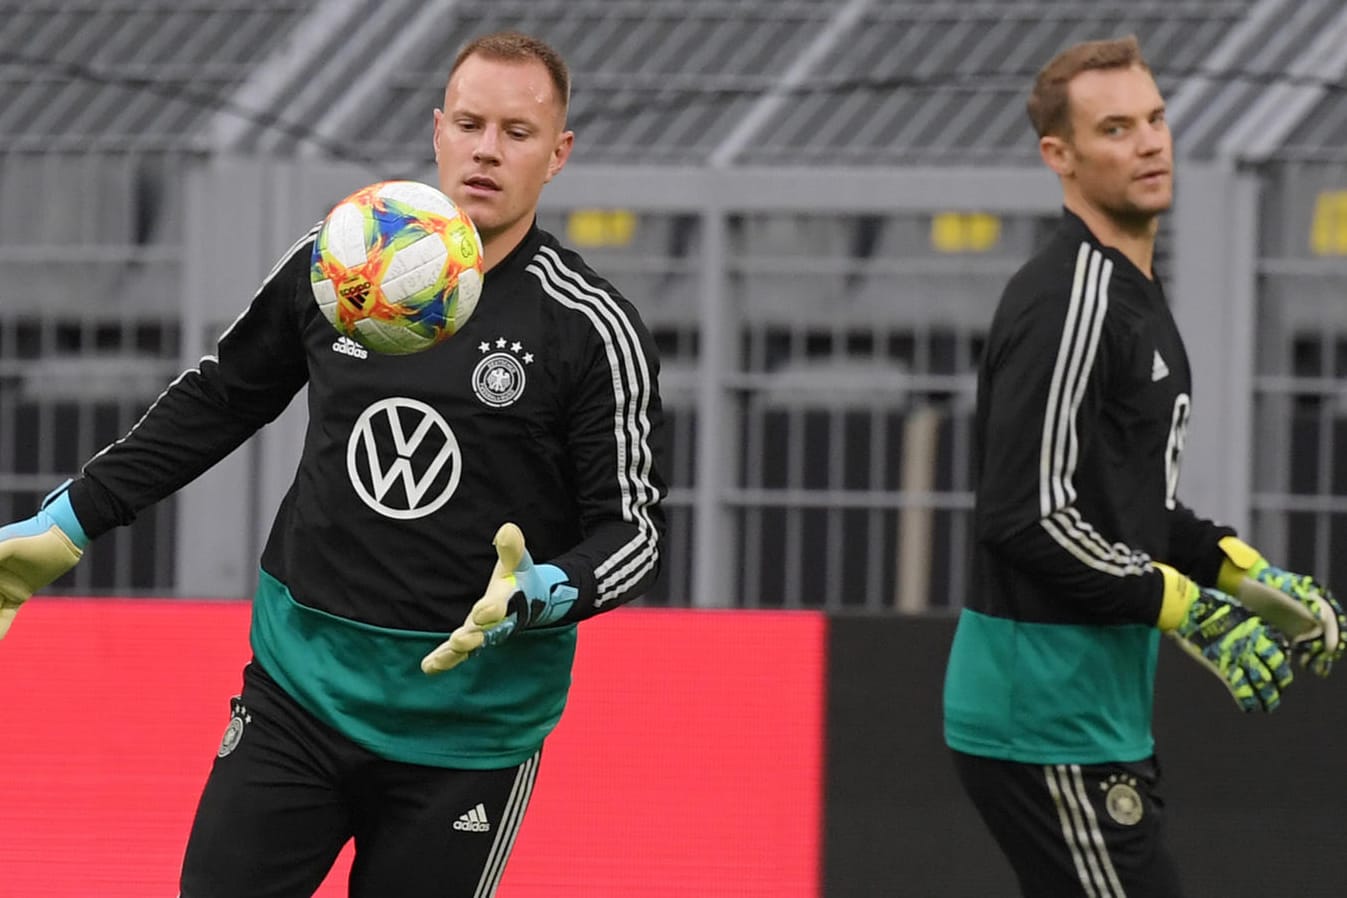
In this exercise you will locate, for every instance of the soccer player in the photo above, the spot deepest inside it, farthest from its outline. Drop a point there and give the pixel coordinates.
(1083, 552)
(405, 670)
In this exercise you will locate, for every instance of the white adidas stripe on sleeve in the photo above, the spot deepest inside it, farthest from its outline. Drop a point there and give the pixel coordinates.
(631, 422)
(1060, 447)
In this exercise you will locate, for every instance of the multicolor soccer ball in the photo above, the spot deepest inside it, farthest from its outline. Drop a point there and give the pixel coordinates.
(397, 267)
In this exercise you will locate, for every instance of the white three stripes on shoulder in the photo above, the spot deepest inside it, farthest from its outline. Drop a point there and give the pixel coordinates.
(631, 423)
(1060, 448)
(1080, 336)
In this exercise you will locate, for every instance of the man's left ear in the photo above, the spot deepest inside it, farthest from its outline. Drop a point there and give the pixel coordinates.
(560, 153)
(1056, 154)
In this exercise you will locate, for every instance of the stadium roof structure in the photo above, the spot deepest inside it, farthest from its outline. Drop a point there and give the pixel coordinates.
(129, 75)
(658, 82)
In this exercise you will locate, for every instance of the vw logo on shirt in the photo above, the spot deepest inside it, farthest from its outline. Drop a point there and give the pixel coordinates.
(403, 458)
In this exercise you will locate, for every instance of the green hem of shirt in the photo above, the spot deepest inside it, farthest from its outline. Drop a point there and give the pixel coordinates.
(1050, 693)
(492, 711)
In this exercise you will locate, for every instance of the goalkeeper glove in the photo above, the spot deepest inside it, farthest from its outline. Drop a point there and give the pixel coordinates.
(36, 551)
(1229, 639)
(519, 594)
(1314, 620)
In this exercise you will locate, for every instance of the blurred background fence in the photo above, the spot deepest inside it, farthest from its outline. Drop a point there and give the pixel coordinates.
(813, 204)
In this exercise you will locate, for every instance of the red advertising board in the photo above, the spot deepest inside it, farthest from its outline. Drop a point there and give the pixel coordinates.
(689, 761)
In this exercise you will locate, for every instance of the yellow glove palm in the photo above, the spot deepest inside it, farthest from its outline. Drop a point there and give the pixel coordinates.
(519, 594)
(36, 551)
(1228, 639)
(1297, 604)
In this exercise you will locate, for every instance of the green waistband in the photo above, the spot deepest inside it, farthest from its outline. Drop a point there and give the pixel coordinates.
(492, 711)
(1050, 693)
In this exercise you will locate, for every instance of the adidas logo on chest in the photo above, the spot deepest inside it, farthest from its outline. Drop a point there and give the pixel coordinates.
(346, 346)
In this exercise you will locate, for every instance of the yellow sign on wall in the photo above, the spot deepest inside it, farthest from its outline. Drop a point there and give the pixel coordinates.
(965, 232)
(589, 228)
(1328, 232)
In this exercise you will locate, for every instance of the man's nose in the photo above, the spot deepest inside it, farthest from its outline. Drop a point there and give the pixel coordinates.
(488, 144)
(1152, 139)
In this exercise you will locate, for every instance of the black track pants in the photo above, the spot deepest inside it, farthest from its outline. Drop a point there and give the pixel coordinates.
(1076, 830)
(287, 792)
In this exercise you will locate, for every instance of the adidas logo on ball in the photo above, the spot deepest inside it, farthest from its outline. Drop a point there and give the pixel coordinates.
(356, 293)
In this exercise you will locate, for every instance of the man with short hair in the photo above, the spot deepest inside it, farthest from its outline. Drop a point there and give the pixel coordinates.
(391, 700)
(1083, 552)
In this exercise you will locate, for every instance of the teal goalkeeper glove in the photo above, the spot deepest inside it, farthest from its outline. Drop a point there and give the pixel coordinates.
(1315, 621)
(1229, 639)
(519, 594)
(36, 551)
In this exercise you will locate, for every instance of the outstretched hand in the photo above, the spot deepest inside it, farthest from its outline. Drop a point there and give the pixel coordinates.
(519, 594)
(36, 551)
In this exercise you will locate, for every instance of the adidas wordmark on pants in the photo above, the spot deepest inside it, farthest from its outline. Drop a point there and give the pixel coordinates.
(474, 821)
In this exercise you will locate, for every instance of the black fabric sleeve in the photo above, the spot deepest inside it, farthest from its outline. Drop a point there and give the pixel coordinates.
(208, 411)
(616, 449)
(1042, 400)
(1194, 545)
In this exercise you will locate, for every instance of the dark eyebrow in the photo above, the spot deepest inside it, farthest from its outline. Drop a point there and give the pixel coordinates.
(1119, 118)
(508, 123)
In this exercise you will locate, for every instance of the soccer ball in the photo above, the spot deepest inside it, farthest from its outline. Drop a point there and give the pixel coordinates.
(397, 267)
